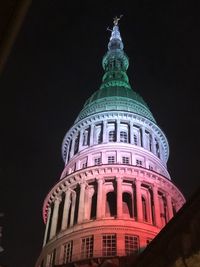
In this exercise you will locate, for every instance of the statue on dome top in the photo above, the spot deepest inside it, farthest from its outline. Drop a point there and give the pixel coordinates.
(116, 19)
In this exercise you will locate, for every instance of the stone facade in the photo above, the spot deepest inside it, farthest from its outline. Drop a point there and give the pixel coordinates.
(115, 193)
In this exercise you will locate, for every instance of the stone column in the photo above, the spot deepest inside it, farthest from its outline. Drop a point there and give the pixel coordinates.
(157, 217)
(118, 131)
(66, 210)
(119, 197)
(139, 200)
(81, 202)
(105, 138)
(169, 206)
(47, 226)
(99, 198)
(73, 208)
(54, 220)
(80, 140)
(131, 133)
(91, 134)
(87, 209)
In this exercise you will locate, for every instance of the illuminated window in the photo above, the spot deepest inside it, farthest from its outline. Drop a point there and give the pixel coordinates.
(125, 160)
(109, 245)
(67, 256)
(131, 244)
(111, 159)
(123, 137)
(87, 247)
(138, 162)
(111, 136)
(135, 139)
(97, 161)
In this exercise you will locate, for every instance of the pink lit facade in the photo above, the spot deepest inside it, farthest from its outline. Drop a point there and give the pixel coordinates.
(115, 193)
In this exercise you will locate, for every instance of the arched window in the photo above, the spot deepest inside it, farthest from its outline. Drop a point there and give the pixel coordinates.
(85, 138)
(150, 142)
(144, 209)
(76, 144)
(99, 138)
(50, 221)
(157, 149)
(124, 137)
(98, 134)
(127, 205)
(60, 212)
(111, 208)
(112, 136)
(163, 209)
(93, 206)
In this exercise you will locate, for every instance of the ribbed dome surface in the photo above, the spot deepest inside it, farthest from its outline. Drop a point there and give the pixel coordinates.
(115, 91)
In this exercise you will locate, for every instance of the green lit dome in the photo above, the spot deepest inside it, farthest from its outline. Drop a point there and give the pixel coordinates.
(115, 91)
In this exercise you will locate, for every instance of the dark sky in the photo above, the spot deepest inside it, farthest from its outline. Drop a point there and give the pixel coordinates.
(55, 65)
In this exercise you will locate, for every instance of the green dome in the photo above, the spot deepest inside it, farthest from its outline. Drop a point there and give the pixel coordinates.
(117, 92)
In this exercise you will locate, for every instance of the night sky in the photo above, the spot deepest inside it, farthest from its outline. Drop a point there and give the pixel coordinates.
(55, 65)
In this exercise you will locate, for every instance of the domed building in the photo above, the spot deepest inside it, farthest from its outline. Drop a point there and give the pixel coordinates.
(115, 193)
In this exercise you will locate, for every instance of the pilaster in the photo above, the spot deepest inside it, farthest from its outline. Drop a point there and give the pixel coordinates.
(99, 198)
(66, 210)
(81, 202)
(157, 212)
(119, 197)
(73, 208)
(55, 217)
(47, 226)
(139, 200)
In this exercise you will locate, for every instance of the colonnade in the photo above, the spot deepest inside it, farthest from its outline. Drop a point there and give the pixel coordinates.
(146, 138)
(75, 205)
